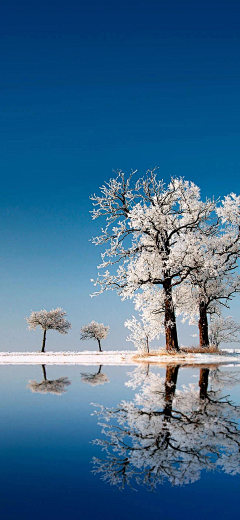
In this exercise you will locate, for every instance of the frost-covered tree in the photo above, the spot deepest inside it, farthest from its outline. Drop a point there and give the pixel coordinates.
(197, 303)
(141, 334)
(96, 331)
(150, 305)
(214, 282)
(95, 379)
(151, 233)
(49, 386)
(223, 330)
(49, 320)
(166, 434)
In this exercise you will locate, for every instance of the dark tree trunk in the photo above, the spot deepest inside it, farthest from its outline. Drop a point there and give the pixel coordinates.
(99, 344)
(44, 341)
(203, 326)
(100, 368)
(203, 382)
(147, 344)
(170, 319)
(44, 373)
(170, 388)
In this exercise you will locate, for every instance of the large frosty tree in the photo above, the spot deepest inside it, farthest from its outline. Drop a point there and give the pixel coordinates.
(49, 320)
(150, 235)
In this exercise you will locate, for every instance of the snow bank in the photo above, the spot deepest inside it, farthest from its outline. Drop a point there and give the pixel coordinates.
(114, 357)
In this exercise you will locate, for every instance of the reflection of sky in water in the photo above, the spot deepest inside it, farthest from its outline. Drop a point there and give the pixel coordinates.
(46, 450)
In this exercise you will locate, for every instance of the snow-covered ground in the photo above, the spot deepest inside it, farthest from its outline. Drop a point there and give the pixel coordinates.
(114, 357)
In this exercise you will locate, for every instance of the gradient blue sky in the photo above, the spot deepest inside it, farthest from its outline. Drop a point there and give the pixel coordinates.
(91, 87)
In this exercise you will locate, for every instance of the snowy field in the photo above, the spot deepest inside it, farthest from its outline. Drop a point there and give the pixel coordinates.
(114, 357)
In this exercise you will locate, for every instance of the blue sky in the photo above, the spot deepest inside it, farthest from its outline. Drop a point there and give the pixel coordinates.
(88, 88)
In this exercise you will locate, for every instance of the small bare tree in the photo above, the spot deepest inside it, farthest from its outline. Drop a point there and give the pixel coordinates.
(52, 320)
(95, 331)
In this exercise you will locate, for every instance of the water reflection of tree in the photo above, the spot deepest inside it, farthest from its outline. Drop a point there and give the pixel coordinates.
(95, 379)
(51, 386)
(164, 434)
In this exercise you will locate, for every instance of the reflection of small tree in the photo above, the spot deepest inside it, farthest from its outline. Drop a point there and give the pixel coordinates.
(52, 320)
(165, 434)
(223, 330)
(48, 386)
(94, 330)
(95, 379)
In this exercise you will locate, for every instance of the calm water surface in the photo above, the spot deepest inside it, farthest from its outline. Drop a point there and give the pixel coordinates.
(168, 442)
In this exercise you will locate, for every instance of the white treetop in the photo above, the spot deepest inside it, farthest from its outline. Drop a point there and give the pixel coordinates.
(94, 330)
(49, 320)
(156, 222)
(223, 330)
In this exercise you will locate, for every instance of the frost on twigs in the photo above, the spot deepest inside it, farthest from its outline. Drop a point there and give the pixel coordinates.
(223, 330)
(149, 236)
(141, 334)
(94, 330)
(49, 320)
(163, 243)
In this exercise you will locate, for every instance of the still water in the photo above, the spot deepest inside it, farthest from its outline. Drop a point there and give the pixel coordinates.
(156, 441)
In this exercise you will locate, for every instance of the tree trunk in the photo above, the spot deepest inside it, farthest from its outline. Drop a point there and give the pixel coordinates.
(147, 345)
(99, 344)
(170, 388)
(170, 319)
(44, 373)
(100, 368)
(44, 341)
(203, 326)
(203, 382)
